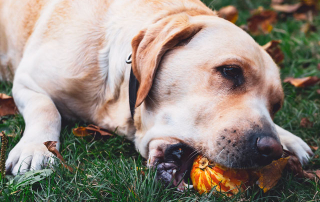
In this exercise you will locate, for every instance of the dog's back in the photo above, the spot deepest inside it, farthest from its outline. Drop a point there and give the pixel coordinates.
(17, 21)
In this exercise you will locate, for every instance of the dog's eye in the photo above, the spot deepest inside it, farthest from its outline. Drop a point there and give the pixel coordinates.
(232, 72)
(275, 108)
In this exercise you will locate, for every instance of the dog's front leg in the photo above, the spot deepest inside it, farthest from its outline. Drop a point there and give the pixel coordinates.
(43, 123)
(294, 144)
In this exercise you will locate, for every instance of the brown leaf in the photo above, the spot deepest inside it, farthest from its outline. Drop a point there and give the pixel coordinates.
(229, 13)
(318, 173)
(314, 148)
(90, 130)
(286, 8)
(306, 123)
(302, 82)
(308, 27)
(271, 174)
(51, 146)
(261, 21)
(7, 105)
(300, 16)
(273, 48)
(295, 166)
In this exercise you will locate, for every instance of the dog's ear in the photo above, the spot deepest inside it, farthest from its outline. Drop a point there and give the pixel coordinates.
(149, 46)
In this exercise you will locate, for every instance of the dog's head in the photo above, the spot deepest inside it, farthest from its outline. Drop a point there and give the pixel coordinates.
(205, 86)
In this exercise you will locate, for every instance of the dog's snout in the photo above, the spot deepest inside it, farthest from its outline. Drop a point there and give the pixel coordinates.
(269, 148)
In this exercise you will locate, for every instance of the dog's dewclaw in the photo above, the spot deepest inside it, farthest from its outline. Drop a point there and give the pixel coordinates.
(206, 175)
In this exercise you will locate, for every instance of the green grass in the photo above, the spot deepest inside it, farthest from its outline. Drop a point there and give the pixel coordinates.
(111, 169)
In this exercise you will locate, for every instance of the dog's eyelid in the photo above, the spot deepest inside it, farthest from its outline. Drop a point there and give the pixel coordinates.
(232, 72)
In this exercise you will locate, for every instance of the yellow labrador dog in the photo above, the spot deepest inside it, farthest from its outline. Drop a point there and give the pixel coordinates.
(205, 85)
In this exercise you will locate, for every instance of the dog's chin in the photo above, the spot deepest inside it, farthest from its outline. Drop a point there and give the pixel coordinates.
(173, 170)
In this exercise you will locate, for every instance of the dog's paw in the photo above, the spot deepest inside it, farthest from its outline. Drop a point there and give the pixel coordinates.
(28, 156)
(296, 145)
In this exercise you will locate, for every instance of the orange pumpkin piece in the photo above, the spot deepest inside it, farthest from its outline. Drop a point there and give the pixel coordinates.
(206, 175)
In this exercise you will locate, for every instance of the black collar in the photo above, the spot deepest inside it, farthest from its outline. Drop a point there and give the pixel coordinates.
(133, 88)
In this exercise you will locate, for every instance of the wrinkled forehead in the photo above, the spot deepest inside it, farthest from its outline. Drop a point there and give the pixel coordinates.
(221, 42)
(224, 39)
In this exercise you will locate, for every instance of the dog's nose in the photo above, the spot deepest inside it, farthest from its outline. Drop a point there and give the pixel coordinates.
(269, 148)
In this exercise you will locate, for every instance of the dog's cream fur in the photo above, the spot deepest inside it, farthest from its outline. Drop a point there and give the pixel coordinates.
(68, 57)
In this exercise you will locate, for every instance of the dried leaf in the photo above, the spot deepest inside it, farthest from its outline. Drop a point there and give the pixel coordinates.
(80, 132)
(318, 173)
(306, 123)
(271, 174)
(274, 51)
(261, 21)
(300, 16)
(308, 27)
(90, 130)
(302, 82)
(7, 105)
(286, 8)
(295, 166)
(314, 148)
(51, 146)
(229, 13)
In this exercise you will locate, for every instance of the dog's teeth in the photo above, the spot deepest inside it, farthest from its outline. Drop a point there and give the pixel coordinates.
(187, 185)
(174, 172)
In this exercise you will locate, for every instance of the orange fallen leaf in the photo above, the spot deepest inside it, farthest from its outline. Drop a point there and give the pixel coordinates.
(271, 174)
(302, 82)
(306, 123)
(314, 148)
(90, 130)
(51, 146)
(273, 48)
(261, 21)
(7, 105)
(229, 13)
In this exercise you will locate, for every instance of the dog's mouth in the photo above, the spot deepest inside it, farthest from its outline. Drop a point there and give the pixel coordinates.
(174, 168)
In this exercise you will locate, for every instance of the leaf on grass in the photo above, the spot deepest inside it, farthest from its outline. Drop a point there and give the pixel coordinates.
(271, 174)
(295, 166)
(90, 130)
(52, 147)
(286, 8)
(308, 27)
(29, 178)
(318, 173)
(300, 16)
(306, 123)
(314, 148)
(273, 48)
(261, 21)
(302, 82)
(229, 13)
(7, 105)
